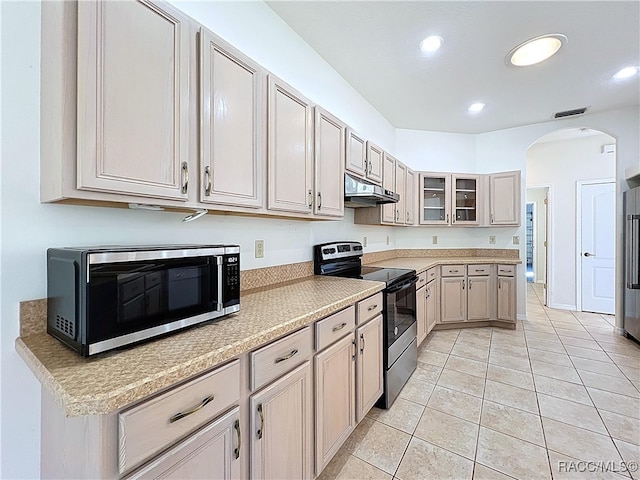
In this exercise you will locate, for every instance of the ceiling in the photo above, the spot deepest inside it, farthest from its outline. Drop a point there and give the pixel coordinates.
(374, 46)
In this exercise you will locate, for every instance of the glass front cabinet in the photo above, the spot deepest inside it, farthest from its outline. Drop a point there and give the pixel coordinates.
(449, 199)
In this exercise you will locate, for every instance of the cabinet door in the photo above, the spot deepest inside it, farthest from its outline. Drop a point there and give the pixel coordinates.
(431, 308)
(389, 183)
(356, 154)
(133, 99)
(329, 164)
(212, 452)
(453, 299)
(281, 442)
(369, 338)
(435, 199)
(410, 197)
(478, 298)
(335, 381)
(232, 130)
(290, 156)
(465, 191)
(504, 198)
(507, 298)
(374, 163)
(421, 314)
(401, 179)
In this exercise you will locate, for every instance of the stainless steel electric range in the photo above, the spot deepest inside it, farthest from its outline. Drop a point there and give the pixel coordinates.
(344, 259)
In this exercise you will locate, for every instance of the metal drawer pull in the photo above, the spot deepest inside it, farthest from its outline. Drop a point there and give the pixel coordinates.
(469, 284)
(454, 271)
(180, 415)
(362, 347)
(372, 307)
(207, 181)
(478, 270)
(237, 450)
(287, 357)
(463, 284)
(185, 177)
(339, 327)
(261, 429)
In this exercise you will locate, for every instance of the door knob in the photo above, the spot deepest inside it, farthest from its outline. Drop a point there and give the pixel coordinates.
(587, 254)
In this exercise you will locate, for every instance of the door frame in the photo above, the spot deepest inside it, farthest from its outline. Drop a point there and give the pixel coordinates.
(579, 185)
(549, 239)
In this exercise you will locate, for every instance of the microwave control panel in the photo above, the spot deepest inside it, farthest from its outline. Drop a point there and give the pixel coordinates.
(232, 279)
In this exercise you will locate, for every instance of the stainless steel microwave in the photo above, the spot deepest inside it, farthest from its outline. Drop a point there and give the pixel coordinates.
(108, 297)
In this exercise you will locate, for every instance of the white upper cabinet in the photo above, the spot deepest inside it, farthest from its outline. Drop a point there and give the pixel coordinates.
(374, 163)
(401, 178)
(329, 161)
(232, 129)
(449, 199)
(133, 99)
(504, 198)
(389, 183)
(410, 197)
(290, 150)
(356, 154)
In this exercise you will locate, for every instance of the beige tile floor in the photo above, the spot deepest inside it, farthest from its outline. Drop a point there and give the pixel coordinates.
(558, 398)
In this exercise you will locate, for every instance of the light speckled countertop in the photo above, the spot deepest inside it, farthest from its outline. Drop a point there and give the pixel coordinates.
(420, 264)
(109, 381)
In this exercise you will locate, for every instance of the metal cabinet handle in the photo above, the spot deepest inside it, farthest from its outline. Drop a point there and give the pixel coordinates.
(207, 181)
(492, 218)
(237, 428)
(469, 284)
(319, 200)
(287, 357)
(499, 283)
(428, 292)
(372, 307)
(339, 327)
(261, 429)
(463, 284)
(362, 344)
(180, 415)
(310, 199)
(353, 345)
(447, 218)
(185, 177)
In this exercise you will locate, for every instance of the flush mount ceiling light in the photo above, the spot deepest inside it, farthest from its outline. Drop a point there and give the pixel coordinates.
(625, 73)
(431, 44)
(476, 107)
(536, 50)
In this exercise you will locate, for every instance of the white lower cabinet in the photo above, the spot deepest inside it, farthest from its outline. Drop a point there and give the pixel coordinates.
(421, 313)
(335, 380)
(281, 427)
(479, 297)
(211, 453)
(369, 365)
(507, 309)
(431, 305)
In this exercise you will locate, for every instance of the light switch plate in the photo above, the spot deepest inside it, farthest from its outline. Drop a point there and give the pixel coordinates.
(364, 242)
(516, 240)
(434, 239)
(492, 239)
(388, 239)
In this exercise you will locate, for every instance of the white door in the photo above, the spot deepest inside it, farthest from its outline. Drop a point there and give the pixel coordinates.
(598, 247)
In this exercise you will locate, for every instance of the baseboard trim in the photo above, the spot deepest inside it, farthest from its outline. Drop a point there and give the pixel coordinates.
(522, 316)
(561, 306)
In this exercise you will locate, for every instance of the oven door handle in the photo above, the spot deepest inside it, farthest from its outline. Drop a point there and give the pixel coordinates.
(403, 286)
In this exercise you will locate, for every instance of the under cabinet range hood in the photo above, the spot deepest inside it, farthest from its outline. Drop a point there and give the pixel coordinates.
(360, 193)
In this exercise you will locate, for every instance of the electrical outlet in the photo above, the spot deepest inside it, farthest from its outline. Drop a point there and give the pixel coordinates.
(492, 239)
(516, 240)
(388, 239)
(259, 249)
(434, 239)
(364, 242)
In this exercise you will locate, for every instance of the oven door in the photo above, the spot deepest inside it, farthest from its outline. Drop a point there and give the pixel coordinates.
(400, 309)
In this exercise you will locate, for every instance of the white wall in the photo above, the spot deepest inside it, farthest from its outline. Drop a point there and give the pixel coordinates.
(561, 164)
(29, 228)
(537, 196)
(507, 150)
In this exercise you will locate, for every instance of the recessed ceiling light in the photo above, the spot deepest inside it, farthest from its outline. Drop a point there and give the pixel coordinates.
(626, 72)
(536, 50)
(476, 107)
(431, 44)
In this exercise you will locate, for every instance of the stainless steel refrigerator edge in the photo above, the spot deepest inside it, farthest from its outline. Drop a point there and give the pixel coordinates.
(631, 204)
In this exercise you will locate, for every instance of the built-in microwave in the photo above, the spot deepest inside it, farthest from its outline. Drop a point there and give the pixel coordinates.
(103, 298)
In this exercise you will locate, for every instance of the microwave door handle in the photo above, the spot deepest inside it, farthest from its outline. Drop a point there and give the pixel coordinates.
(220, 301)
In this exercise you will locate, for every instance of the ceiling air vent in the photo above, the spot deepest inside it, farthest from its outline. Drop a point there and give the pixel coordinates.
(570, 113)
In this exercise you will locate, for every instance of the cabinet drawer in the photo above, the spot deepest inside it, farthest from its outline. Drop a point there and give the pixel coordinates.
(506, 270)
(453, 271)
(422, 280)
(431, 274)
(277, 358)
(332, 328)
(369, 308)
(148, 428)
(478, 269)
